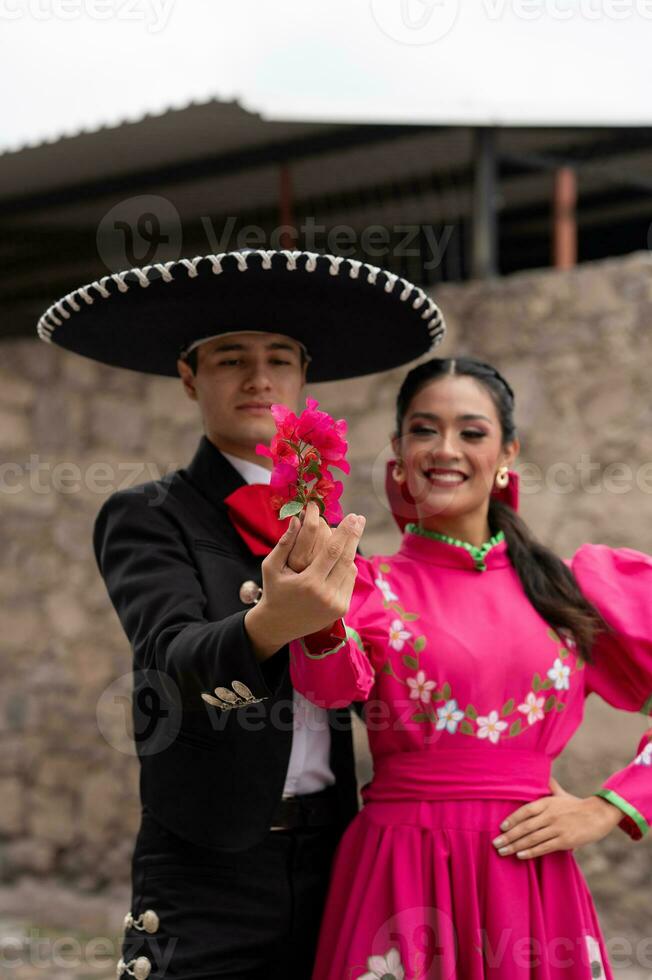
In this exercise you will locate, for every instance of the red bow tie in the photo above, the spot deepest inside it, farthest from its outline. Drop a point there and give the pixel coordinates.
(254, 518)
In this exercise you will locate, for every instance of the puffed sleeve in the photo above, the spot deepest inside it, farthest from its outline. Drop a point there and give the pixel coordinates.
(618, 581)
(335, 666)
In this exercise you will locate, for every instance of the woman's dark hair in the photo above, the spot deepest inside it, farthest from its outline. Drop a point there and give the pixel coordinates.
(548, 583)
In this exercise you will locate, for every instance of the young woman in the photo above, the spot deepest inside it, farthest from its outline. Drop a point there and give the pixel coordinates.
(474, 648)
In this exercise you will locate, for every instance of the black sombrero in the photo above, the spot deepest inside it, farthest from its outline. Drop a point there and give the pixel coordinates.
(352, 317)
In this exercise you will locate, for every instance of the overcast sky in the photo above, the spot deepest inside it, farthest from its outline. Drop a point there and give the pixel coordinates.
(71, 64)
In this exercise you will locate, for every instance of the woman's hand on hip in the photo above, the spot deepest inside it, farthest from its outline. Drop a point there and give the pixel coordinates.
(560, 822)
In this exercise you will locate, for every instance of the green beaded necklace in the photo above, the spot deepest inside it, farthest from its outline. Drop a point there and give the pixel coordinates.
(478, 554)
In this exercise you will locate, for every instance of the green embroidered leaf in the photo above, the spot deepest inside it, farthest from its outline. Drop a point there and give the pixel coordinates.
(646, 707)
(554, 636)
(579, 664)
(560, 706)
(289, 510)
(446, 691)
(409, 617)
(419, 644)
(466, 728)
(471, 712)
(384, 567)
(550, 702)
(421, 716)
(508, 707)
(536, 682)
(387, 668)
(547, 684)
(410, 662)
(515, 727)
(563, 652)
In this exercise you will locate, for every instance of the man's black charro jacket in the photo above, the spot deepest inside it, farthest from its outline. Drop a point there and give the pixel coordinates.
(174, 566)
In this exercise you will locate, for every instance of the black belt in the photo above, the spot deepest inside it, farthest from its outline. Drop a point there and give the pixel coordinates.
(310, 810)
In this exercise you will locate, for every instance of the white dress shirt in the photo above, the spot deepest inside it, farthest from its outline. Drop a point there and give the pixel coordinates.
(308, 769)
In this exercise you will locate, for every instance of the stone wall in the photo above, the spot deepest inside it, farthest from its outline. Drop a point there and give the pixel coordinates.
(577, 348)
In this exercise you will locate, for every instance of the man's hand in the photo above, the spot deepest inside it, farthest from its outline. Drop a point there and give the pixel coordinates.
(560, 822)
(313, 535)
(296, 604)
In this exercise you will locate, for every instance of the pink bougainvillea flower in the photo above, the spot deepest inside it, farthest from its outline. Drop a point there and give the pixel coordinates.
(302, 450)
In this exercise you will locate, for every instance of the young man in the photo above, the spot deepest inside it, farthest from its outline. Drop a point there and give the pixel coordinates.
(245, 786)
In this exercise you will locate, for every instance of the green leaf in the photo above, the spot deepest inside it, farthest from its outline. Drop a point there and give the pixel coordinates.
(563, 652)
(291, 509)
(421, 716)
(384, 567)
(547, 684)
(471, 712)
(515, 727)
(387, 668)
(466, 728)
(560, 706)
(410, 662)
(554, 636)
(536, 683)
(313, 467)
(508, 707)
(446, 691)
(579, 664)
(419, 644)
(550, 702)
(409, 617)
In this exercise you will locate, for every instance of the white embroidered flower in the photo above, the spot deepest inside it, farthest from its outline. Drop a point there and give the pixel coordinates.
(420, 688)
(569, 640)
(449, 716)
(387, 967)
(644, 758)
(595, 956)
(385, 588)
(532, 707)
(398, 635)
(559, 674)
(490, 727)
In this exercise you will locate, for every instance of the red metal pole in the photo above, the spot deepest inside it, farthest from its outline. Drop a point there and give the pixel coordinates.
(564, 219)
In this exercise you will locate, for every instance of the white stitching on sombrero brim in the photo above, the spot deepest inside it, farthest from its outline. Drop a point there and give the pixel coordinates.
(61, 310)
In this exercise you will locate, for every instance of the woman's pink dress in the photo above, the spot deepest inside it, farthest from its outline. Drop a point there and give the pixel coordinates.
(470, 695)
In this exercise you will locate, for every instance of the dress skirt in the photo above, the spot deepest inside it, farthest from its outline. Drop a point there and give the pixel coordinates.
(419, 891)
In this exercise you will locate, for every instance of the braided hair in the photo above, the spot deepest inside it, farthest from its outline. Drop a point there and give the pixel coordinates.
(547, 581)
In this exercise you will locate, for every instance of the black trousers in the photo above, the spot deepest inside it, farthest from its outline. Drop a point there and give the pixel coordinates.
(247, 915)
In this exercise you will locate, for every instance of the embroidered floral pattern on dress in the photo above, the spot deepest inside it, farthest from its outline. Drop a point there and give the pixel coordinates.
(644, 758)
(595, 956)
(387, 967)
(499, 722)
